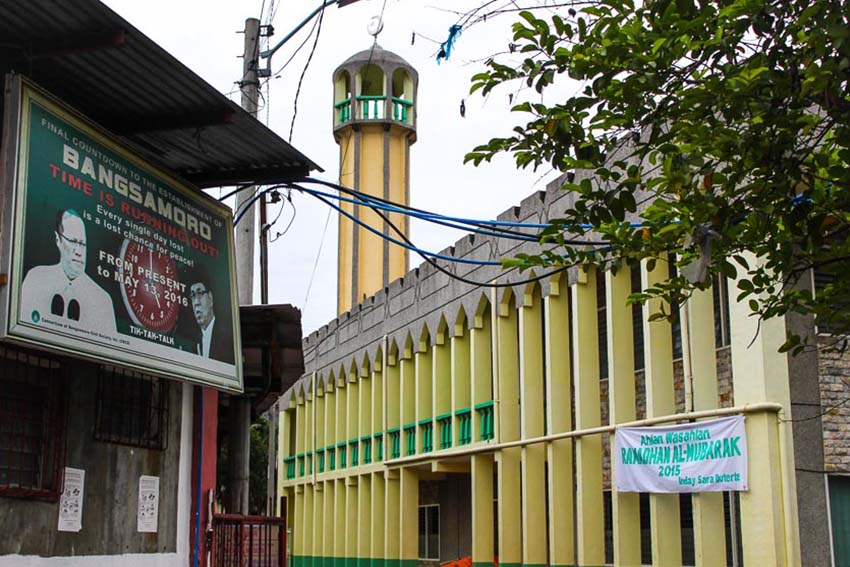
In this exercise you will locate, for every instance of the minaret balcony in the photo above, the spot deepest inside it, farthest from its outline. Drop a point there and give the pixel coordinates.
(372, 107)
(343, 111)
(402, 110)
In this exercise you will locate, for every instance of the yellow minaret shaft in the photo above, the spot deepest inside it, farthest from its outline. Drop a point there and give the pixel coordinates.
(374, 125)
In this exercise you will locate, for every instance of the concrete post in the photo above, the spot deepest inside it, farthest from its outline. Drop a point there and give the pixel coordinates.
(240, 408)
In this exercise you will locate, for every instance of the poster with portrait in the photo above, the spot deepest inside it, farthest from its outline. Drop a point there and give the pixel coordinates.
(110, 257)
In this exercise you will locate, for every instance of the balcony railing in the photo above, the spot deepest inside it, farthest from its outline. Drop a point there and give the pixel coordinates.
(366, 444)
(410, 438)
(395, 442)
(464, 426)
(379, 444)
(373, 107)
(290, 467)
(370, 107)
(401, 110)
(444, 423)
(343, 111)
(426, 428)
(485, 416)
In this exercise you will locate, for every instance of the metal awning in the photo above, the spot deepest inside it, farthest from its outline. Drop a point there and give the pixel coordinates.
(90, 57)
(272, 359)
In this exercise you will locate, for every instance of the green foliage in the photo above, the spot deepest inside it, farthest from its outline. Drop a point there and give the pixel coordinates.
(728, 115)
(259, 463)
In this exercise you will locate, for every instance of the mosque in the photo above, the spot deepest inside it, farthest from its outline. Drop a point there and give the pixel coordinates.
(443, 422)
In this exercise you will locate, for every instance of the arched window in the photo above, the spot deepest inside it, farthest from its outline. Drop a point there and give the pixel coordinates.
(342, 98)
(371, 93)
(402, 96)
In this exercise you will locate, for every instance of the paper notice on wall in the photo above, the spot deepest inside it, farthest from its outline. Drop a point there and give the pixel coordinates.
(148, 503)
(71, 501)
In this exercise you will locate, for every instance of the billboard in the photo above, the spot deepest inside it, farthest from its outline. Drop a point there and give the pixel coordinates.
(109, 257)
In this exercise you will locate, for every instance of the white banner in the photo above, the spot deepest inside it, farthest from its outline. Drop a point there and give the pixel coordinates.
(706, 456)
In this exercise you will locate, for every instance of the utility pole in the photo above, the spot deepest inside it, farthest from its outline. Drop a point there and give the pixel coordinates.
(239, 440)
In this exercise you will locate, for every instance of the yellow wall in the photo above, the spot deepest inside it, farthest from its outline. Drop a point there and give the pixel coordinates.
(365, 264)
(511, 362)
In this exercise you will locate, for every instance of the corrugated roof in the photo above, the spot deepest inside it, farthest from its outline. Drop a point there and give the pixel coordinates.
(87, 55)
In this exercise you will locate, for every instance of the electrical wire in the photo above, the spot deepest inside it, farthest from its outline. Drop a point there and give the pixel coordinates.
(486, 227)
(461, 278)
(399, 242)
(473, 222)
(304, 72)
(288, 225)
(430, 260)
(316, 262)
(434, 220)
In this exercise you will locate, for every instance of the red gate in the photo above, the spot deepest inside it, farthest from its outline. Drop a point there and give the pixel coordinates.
(248, 541)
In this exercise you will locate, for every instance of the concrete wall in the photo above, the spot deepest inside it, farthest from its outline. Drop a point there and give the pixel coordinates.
(109, 532)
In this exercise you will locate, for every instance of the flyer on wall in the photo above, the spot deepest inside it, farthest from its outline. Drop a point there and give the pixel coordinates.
(113, 258)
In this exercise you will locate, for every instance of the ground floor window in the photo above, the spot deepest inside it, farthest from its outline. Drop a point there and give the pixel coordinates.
(429, 532)
(132, 409)
(839, 511)
(33, 393)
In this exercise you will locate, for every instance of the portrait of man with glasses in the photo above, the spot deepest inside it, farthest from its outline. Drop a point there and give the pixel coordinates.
(63, 292)
(216, 339)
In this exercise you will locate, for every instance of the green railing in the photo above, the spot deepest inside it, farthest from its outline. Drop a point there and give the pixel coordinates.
(290, 467)
(331, 450)
(401, 109)
(366, 443)
(321, 458)
(355, 454)
(370, 107)
(395, 442)
(300, 464)
(464, 426)
(379, 443)
(485, 420)
(310, 464)
(426, 428)
(343, 111)
(444, 423)
(410, 438)
(341, 450)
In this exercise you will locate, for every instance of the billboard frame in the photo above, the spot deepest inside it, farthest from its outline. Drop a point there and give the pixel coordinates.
(19, 94)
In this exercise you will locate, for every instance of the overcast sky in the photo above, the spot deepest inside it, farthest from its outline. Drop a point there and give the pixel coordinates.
(203, 35)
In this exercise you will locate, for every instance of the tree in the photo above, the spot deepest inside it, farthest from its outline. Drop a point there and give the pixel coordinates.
(259, 463)
(731, 120)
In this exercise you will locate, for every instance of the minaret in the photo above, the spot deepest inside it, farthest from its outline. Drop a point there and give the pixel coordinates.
(374, 124)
